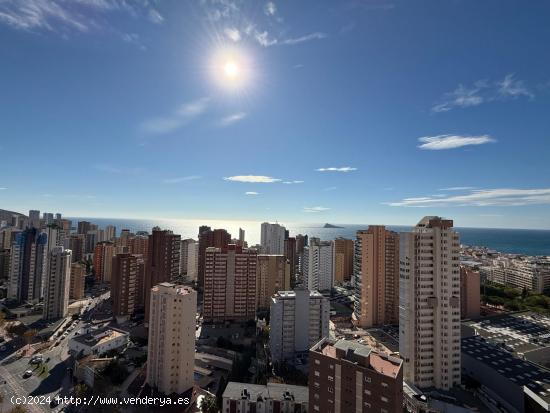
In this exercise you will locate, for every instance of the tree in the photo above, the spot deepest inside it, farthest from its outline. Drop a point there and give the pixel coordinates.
(209, 405)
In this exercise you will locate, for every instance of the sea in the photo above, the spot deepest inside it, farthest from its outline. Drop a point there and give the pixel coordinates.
(513, 241)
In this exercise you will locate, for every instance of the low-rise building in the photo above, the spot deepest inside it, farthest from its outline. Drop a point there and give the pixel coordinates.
(271, 398)
(98, 342)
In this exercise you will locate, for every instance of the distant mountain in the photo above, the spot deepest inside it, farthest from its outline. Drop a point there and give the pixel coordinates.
(6, 215)
(327, 225)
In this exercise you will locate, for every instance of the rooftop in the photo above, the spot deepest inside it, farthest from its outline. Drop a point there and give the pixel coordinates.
(523, 373)
(275, 391)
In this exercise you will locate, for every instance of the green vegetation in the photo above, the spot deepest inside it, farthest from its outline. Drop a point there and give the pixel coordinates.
(515, 300)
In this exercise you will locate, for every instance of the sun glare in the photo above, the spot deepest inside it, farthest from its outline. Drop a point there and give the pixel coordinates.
(231, 69)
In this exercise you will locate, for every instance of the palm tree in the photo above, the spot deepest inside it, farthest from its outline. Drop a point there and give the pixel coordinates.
(209, 405)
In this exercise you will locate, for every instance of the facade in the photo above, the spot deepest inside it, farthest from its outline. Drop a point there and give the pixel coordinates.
(317, 265)
(298, 319)
(77, 281)
(429, 306)
(127, 285)
(271, 398)
(345, 376)
(229, 284)
(343, 251)
(273, 274)
(218, 238)
(171, 348)
(273, 239)
(56, 295)
(28, 266)
(163, 261)
(98, 342)
(193, 261)
(470, 295)
(376, 277)
(103, 260)
(76, 243)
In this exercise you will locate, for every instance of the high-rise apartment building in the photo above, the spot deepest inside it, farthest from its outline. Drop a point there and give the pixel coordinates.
(429, 304)
(76, 243)
(184, 254)
(292, 257)
(470, 294)
(273, 239)
(317, 265)
(343, 259)
(56, 295)
(103, 260)
(345, 376)
(77, 281)
(171, 347)
(28, 266)
(218, 238)
(376, 277)
(229, 284)
(298, 319)
(163, 261)
(127, 285)
(272, 275)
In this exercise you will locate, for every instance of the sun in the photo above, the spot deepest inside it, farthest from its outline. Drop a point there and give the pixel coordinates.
(231, 69)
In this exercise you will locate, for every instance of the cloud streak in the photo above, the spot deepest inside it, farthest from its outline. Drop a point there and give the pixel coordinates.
(334, 169)
(443, 142)
(180, 179)
(257, 179)
(315, 209)
(178, 118)
(481, 198)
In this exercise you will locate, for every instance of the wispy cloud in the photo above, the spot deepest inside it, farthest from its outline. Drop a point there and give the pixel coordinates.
(270, 9)
(259, 179)
(232, 34)
(334, 169)
(180, 117)
(62, 16)
(458, 188)
(292, 182)
(234, 118)
(513, 88)
(441, 142)
(315, 209)
(180, 179)
(461, 97)
(483, 91)
(252, 193)
(482, 197)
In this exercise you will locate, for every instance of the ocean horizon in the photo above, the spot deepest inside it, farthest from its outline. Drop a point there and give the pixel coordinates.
(513, 241)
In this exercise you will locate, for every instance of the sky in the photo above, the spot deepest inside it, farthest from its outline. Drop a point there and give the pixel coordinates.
(356, 111)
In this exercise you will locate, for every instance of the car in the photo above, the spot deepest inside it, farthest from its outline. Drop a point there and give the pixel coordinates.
(27, 374)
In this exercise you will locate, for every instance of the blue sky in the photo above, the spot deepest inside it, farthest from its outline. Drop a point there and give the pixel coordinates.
(348, 112)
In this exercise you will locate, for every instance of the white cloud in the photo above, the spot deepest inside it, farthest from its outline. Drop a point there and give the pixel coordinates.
(252, 193)
(458, 188)
(292, 182)
(441, 142)
(259, 179)
(270, 9)
(181, 179)
(63, 16)
(236, 117)
(305, 38)
(513, 88)
(315, 209)
(482, 197)
(180, 117)
(333, 169)
(233, 34)
(461, 97)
